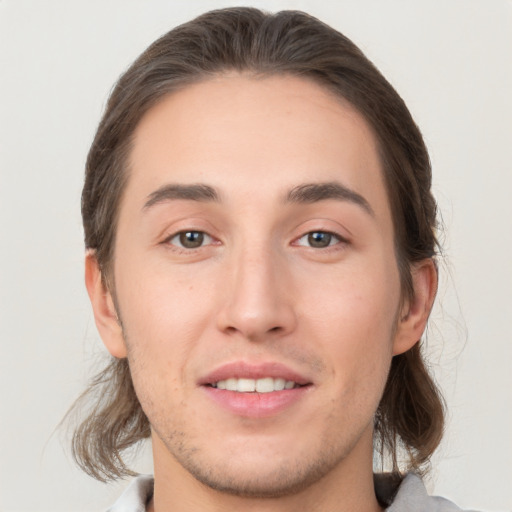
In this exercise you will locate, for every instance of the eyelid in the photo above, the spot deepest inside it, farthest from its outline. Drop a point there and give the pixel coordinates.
(209, 239)
(340, 239)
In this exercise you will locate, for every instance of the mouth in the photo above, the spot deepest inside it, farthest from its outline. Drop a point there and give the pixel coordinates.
(255, 390)
(261, 385)
(245, 377)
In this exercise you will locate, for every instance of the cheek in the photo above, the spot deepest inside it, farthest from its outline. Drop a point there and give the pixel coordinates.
(163, 318)
(363, 303)
(161, 326)
(159, 304)
(353, 317)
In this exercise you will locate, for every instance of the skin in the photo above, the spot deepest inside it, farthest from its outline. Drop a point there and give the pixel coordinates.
(257, 291)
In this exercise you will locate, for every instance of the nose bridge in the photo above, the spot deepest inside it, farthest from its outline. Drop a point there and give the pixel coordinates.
(257, 302)
(255, 276)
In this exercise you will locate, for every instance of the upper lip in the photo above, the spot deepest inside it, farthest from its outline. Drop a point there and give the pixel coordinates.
(246, 370)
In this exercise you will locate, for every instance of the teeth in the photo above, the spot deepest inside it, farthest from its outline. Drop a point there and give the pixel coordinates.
(279, 384)
(264, 385)
(246, 385)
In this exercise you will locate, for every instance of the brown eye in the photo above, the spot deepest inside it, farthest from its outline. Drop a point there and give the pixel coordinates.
(190, 239)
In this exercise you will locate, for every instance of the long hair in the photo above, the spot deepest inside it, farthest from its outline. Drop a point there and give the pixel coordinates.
(410, 414)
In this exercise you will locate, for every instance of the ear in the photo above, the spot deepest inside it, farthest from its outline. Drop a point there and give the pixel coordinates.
(415, 312)
(105, 316)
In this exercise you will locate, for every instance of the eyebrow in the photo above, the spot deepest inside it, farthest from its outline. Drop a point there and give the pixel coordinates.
(306, 194)
(193, 192)
(314, 192)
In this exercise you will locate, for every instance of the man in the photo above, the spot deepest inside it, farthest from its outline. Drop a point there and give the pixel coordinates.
(261, 266)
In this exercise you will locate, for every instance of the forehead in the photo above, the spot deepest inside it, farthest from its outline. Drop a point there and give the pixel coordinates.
(252, 135)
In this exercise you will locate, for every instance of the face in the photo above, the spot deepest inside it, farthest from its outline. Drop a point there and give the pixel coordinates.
(256, 283)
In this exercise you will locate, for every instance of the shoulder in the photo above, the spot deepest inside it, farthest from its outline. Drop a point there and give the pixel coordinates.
(136, 496)
(410, 494)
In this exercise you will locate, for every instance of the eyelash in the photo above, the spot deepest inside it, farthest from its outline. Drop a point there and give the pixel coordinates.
(338, 239)
(202, 234)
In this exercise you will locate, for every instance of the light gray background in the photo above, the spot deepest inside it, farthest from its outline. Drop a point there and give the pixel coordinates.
(450, 60)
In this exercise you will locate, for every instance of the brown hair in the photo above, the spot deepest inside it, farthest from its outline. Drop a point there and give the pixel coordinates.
(410, 414)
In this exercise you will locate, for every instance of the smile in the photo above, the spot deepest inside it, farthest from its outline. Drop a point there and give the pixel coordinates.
(262, 385)
(255, 390)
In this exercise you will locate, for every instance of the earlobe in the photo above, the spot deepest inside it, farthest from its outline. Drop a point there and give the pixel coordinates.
(104, 310)
(414, 315)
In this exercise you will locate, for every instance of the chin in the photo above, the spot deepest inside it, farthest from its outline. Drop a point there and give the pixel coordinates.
(286, 479)
(260, 472)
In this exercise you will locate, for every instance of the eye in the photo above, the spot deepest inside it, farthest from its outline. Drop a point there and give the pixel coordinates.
(190, 239)
(319, 239)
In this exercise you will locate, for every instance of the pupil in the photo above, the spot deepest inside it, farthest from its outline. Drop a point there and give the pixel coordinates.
(319, 239)
(191, 239)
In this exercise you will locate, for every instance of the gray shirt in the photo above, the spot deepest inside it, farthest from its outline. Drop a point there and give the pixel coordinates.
(410, 495)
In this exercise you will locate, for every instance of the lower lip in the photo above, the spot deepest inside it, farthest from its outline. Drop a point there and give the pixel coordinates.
(256, 405)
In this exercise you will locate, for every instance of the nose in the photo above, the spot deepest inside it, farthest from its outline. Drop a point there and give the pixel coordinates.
(257, 297)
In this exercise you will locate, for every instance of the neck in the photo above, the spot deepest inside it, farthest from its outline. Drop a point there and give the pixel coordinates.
(347, 487)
